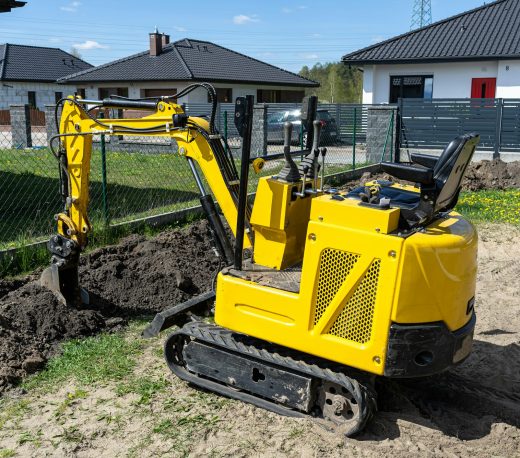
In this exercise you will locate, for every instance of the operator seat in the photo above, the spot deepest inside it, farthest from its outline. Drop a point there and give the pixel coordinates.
(439, 180)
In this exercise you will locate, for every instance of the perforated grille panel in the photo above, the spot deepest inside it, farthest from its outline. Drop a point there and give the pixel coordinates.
(355, 321)
(335, 265)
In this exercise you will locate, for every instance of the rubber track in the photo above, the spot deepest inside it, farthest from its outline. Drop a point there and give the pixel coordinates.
(283, 357)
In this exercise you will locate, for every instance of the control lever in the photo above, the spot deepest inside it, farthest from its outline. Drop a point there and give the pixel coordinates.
(304, 182)
(290, 172)
(323, 153)
(315, 164)
(312, 158)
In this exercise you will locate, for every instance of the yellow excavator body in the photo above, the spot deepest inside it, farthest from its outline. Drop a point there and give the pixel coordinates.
(324, 289)
(355, 279)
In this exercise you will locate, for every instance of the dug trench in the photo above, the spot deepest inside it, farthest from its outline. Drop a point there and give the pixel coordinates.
(478, 400)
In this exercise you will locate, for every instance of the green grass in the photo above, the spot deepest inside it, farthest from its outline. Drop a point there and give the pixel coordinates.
(92, 360)
(491, 206)
(138, 185)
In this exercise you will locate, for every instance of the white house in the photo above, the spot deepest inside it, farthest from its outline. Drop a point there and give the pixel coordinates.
(475, 54)
(167, 68)
(28, 74)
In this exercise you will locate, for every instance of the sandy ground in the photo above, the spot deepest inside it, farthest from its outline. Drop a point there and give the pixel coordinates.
(472, 411)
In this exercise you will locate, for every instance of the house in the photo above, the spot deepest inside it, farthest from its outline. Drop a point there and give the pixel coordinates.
(475, 54)
(7, 5)
(167, 68)
(28, 74)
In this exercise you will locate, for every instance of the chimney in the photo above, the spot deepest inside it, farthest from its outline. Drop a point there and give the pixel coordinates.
(165, 40)
(155, 43)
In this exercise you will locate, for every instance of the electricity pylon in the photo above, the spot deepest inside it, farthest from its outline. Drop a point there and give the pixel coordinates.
(422, 14)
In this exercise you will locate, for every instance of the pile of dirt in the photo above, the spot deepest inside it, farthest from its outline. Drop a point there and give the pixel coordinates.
(137, 277)
(143, 276)
(495, 174)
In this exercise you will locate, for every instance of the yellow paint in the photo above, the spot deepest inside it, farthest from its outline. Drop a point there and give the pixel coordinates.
(78, 147)
(373, 278)
(280, 223)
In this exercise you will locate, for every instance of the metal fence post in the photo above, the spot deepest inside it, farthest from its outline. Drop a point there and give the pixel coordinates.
(226, 130)
(392, 136)
(498, 130)
(104, 193)
(354, 139)
(301, 139)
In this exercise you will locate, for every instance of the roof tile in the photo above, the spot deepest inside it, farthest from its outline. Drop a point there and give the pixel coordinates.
(36, 63)
(490, 31)
(189, 59)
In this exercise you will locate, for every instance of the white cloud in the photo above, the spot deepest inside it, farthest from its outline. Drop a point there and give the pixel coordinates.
(242, 19)
(310, 56)
(286, 10)
(303, 7)
(377, 39)
(72, 7)
(180, 29)
(89, 44)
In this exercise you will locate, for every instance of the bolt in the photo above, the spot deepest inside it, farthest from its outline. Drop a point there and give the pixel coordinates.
(377, 360)
(392, 254)
(312, 237)
(378, 230)
(320, 218)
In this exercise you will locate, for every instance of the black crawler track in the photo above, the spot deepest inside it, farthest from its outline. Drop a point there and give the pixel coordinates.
(358, 385)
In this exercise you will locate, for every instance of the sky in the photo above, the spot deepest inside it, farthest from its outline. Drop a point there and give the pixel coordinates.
(286, 33)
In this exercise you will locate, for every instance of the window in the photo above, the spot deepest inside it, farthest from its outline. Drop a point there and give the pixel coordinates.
(105, 92)
(224, 95)
(279, 96)
(410, 87)
(57, 97)
(31, 99)
(82, 93)
(158, 92)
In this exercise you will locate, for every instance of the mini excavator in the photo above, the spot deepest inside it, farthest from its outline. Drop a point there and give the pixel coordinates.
(320, 291)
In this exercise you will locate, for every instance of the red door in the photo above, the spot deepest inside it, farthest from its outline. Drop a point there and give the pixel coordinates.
(483, 88)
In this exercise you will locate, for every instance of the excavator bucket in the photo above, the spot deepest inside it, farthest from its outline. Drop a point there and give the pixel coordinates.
(64, 284)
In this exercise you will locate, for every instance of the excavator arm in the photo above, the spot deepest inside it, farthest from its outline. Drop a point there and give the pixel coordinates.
(196, 140)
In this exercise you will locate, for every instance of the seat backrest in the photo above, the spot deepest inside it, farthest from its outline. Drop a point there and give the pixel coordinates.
(450, 168)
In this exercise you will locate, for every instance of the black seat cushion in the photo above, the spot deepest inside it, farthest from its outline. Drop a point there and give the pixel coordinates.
(400, 198)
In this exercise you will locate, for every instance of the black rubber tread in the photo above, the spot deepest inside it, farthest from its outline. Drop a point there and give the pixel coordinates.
(357, 383)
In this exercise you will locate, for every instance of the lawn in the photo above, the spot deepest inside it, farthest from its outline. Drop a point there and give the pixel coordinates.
(138, 185)
(491, 206)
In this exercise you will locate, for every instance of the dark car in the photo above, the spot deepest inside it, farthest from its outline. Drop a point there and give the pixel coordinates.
(276, 121)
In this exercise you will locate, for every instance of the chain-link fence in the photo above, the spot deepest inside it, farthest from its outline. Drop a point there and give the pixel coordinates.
(134, 178)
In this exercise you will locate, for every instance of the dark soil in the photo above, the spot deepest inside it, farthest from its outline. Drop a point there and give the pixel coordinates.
(137, 277)
(495, 174)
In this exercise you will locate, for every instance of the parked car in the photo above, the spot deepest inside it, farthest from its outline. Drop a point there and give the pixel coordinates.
(276, 121)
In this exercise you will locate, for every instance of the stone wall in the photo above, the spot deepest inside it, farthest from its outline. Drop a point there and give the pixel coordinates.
(378, 133)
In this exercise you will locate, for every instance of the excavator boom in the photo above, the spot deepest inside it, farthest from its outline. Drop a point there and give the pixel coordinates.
(197, 141)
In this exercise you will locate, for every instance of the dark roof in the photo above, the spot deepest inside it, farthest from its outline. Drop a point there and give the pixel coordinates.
(7, 5)
(489, 32)
(190, 60)
(34, 63)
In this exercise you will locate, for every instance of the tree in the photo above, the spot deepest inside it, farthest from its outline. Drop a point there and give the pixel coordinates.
(74, 51)
(339, 83)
